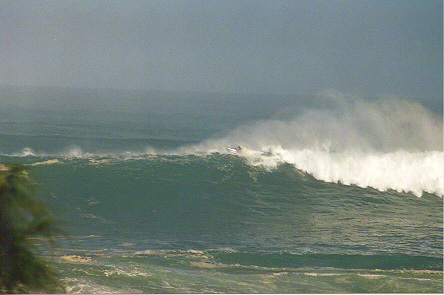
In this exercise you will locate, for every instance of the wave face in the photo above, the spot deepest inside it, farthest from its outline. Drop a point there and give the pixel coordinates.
(220, 200)
(337, 194)
(216, 223)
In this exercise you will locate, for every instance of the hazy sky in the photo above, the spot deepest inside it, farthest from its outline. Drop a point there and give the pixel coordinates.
(368, 47)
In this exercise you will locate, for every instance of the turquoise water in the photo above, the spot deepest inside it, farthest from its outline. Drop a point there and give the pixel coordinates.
(154, 202)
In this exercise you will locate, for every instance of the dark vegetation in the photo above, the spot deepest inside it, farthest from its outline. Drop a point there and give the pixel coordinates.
(27, 228)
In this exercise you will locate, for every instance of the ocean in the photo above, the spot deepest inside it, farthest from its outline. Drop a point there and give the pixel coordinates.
(331, 193)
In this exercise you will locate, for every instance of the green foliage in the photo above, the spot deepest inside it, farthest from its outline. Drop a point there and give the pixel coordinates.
(23, 218)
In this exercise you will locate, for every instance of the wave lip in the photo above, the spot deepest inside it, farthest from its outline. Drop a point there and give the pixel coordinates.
(415, 172)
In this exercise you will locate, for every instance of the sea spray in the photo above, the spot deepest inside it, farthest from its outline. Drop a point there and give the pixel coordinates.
(384, 125)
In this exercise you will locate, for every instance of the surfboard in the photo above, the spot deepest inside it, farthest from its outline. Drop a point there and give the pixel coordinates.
(233, 150)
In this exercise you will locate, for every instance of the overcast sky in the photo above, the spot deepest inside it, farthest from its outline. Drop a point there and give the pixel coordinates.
(368, 47)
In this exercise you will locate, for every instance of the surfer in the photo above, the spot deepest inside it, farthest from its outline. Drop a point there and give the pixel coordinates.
(235, 150)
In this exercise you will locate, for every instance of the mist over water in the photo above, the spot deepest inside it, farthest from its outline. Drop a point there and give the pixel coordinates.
(347, 123)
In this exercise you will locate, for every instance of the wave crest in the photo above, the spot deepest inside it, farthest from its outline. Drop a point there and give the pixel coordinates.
(403, 171)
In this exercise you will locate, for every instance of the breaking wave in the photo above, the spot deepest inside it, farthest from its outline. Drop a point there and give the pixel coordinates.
(385, 144)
